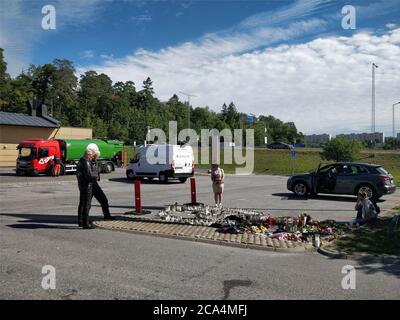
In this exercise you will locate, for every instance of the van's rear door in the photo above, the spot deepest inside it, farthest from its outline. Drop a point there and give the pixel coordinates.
(183, 159)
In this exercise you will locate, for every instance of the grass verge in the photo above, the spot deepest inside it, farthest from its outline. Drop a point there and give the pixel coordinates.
(372, 238)
(279, 162)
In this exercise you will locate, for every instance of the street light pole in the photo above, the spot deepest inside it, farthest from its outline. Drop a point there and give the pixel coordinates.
(373, 98)
(265, 136)
(394, 128)
(188, 95)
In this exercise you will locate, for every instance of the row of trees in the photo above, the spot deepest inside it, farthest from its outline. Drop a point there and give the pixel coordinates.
(120, 110)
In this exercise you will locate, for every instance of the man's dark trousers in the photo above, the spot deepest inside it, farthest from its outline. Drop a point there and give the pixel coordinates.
(98, 193)
(85, 200)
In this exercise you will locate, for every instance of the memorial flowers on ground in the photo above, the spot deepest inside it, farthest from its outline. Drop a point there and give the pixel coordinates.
(240, 221)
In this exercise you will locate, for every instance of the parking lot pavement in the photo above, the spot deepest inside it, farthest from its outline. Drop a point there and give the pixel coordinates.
(38, 227)
(101, 264)
(60, 195)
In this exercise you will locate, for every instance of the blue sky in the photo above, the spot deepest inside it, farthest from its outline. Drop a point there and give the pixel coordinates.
(288, 58)
(118, 28)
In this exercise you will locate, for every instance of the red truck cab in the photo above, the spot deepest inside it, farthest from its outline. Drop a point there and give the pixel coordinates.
(37, 156)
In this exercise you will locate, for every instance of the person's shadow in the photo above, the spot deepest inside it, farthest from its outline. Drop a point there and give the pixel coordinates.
(45, 221)
(325, 197)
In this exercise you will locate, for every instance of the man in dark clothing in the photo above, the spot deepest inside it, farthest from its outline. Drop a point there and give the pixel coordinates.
(97, 192)
(86, 179)
(88, 174)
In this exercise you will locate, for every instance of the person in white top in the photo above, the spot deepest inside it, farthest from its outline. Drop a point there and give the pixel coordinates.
(366, 209)
(217, 178)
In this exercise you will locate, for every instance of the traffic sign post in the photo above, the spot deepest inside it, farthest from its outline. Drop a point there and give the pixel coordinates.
(293, 155)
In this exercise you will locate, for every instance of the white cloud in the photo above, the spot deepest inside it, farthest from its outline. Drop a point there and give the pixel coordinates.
(323, 85)
(107, 56)
(142, 18)
(87, 54)
(20, 26)
(187, 5)
(299, 9)
(391, 25)
(15, 44)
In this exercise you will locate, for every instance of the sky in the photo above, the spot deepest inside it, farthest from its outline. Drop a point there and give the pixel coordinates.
(288, 58)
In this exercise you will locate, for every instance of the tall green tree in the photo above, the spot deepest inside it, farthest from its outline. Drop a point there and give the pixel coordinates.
(231, 116)
(64, 86)
(55, 85)
(4, 82)
(4, 76)
(43, 82)
(95, 98)
(148, 89)
(21, 92)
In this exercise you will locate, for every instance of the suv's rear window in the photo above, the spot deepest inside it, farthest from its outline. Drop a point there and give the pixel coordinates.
(362, 169)
(381, 170)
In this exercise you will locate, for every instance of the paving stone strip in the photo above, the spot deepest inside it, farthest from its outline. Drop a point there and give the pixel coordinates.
(204, 234)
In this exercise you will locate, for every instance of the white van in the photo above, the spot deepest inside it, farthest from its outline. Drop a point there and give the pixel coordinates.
(163, 162)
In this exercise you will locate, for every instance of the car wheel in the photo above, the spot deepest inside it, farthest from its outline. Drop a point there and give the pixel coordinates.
(369, 190)
(182, 180)
(162, 177)
(108, 168)
(130, 174)
(300, 189)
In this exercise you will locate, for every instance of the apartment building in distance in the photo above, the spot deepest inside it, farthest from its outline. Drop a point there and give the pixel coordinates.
(377, 138)
(317, 140)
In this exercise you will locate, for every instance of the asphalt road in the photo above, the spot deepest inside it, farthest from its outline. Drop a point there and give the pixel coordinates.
(256, 191)
(38, 227)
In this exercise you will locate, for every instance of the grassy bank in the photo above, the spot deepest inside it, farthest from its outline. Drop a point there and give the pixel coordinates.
(279, 162)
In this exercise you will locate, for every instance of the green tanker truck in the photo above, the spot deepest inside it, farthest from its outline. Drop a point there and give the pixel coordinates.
(42, 156)
(110, 152)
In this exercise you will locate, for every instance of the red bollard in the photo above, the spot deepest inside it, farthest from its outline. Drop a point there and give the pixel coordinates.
(193, 190)
(138, 199)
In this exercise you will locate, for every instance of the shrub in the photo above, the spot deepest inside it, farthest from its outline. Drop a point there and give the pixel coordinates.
(341, 149)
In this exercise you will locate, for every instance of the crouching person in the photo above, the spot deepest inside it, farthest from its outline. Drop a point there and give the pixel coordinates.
(366, 209)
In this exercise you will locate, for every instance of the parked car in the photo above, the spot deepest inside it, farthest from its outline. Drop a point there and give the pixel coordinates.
(279, 145)
(163, 162)
(344, 178)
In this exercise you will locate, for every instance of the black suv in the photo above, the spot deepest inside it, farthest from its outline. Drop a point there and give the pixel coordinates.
(344, 178)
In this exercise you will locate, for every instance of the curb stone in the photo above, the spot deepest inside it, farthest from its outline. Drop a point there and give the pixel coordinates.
(189, 233)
